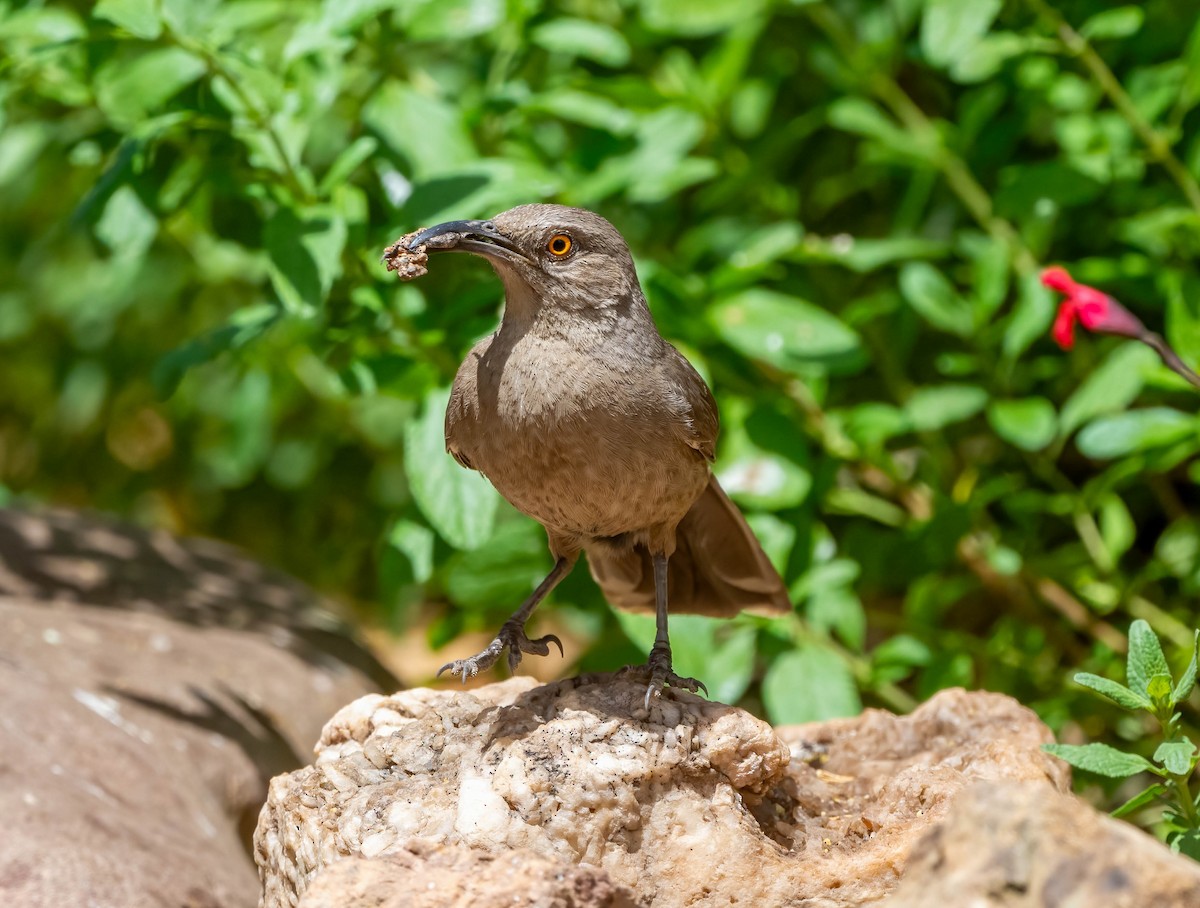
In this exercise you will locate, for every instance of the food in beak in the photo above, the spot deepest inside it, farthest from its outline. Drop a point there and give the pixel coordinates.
(410, 264)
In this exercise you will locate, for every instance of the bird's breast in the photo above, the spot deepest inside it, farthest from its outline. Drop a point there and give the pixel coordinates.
(583, 443)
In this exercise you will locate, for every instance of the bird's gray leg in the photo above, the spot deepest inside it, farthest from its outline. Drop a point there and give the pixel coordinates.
(659, 663)
(512, 634)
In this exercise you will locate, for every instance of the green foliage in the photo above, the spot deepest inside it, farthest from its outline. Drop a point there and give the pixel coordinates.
(838, 209)
(1151, 689)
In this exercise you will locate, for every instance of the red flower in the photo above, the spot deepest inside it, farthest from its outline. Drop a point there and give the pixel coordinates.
(1094, 310)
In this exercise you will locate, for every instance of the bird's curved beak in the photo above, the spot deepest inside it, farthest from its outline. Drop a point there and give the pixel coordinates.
(478, 237)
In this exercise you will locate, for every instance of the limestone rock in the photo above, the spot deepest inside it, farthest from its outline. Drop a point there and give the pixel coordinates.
(695, 803)
(150, 687)
(447, 876)
(1009, 846)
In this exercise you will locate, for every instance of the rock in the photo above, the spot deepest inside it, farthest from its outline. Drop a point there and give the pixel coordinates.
(427, 876)
(865, 789)
(1007, 845)
(695, 803)
(150, 688)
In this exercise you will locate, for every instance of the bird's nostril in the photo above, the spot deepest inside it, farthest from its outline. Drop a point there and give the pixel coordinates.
(489, 225)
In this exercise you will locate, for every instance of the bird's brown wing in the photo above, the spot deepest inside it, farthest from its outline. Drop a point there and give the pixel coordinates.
(463, 406)
(697, 420)
(718, 567)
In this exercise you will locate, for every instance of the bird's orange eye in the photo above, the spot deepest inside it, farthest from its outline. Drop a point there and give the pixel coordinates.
(560, 244)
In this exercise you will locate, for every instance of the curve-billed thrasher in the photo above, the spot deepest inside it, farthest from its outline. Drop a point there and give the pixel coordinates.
(585, 419)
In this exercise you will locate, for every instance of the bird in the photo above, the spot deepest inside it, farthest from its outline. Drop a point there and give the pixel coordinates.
(586, 419)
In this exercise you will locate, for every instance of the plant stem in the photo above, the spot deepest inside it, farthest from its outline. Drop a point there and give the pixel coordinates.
(1156, 144)
(1187, 805)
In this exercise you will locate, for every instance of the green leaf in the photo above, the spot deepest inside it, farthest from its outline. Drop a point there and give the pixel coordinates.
(809, 684)
(138, 17)
(720, 655)
(1111, 387)
(934, 299)
(1117, 529)
(582, 38)
(1113, 23)
(343, 17)
(1159, 689)
(764, 480)
(861, 117)
(1031, 316)
(305, 251)
(1183, 311)
(865, 255)
(897, 657)
(1140, 800)
(460, 504)
(1030, 423)
(987, 56)
(1177, 757)
(931, 409)
(586, 109)
(1115, 691)
(1101, 759)
(1186, 842)
(349, 160)
(785, 331)
(20, 145)
(778, 537)
(1183, 689)
(498, 576)
(450, 20)
(415, 542)
(991, 264)
(839, 609)
(129, 90)
(1145, 659)
(427, 131)
(1137, 430)
(950, 29)
(872, 424)
(189, 17)
(126, 227)
(692, 18)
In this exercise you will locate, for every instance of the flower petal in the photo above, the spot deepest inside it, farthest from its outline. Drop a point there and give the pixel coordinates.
(1056, 278)
(1064, 325)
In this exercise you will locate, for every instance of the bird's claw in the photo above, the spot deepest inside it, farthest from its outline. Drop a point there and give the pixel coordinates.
(512, 638)
(659, 680)
(660, 676)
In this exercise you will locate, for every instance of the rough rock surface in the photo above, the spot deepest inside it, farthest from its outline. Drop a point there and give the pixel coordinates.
(1010, 846)
(428, 876)
(694, 804)
(150, 687)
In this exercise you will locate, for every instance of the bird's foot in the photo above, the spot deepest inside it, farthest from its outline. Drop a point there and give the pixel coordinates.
(659, 675)
(512, 638)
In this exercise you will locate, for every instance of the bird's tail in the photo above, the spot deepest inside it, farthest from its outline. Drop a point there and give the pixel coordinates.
(718, 567)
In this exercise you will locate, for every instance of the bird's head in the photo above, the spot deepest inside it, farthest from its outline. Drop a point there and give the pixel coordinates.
(569, 257)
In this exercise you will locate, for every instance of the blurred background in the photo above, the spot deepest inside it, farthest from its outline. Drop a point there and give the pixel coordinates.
(838, 211)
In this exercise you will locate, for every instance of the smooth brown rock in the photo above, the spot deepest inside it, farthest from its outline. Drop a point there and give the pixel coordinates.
(1010, 846)
(694, 804)
(447, 876)
(150, 687)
